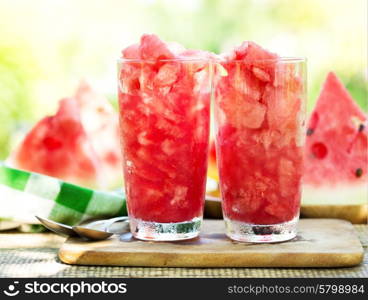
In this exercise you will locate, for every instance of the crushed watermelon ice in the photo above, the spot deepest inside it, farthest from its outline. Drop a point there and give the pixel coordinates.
(259, 115)
(164, 116)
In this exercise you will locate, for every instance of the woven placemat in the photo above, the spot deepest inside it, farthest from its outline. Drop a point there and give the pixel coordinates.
(43, 262)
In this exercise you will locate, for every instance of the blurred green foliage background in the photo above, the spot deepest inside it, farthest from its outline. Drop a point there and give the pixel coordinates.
(46, 47)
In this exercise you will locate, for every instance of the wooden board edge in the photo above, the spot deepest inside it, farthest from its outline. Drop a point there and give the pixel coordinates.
(354, 213)
(145, 259)
(66, 256)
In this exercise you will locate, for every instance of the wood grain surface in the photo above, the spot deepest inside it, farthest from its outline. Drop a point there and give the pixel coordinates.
(319, 243)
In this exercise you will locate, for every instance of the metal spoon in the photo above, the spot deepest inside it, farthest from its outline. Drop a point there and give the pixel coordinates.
(100, 230)
(97, 230)
(56, 227)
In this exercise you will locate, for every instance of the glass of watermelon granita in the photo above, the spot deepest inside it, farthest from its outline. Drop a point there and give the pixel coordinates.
(164, 99)
(259, 118)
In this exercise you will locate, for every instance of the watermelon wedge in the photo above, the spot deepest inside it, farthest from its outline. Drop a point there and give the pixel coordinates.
(78, 144)
(58, 146)
(101, 124)
(336, 157)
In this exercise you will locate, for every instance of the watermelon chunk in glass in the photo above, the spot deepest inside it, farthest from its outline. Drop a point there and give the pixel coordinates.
(259, 141)
(164, 97)
(335, 180)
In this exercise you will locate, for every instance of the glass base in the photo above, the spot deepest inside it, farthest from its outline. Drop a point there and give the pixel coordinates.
(153, 231)
(252, 233)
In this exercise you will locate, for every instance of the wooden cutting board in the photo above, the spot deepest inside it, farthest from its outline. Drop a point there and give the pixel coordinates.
(319, 243)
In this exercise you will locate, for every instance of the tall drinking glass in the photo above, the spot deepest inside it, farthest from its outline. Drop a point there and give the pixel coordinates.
(164, 120)
(259, 117)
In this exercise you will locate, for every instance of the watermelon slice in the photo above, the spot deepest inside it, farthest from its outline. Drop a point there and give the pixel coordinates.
(79, 144)
(101, 124)
(58, 146)
(336, 158)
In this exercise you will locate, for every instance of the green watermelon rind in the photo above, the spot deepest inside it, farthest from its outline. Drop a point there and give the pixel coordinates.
(329, 195)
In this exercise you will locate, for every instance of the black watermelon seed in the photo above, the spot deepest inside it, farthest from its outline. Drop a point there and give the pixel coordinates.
(361, 127)
(310, 131)
(358, 172)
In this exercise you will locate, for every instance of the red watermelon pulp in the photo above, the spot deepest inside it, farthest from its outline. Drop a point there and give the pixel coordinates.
(58, 146)
(78, 144)
(101, 124)
(336, 158)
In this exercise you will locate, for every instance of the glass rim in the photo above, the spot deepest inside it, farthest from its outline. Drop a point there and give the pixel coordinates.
(282, 59)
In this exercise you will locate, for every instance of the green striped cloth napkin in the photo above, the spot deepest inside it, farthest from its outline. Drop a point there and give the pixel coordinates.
(24, 194)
